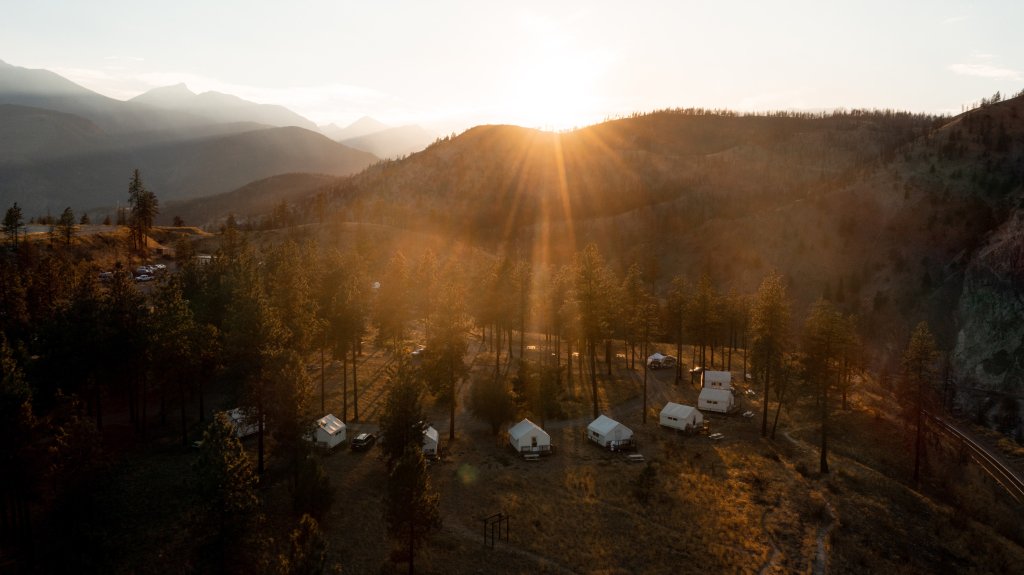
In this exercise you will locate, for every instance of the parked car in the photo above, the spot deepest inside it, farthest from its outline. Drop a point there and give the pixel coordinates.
(363, 441)
(144, 278)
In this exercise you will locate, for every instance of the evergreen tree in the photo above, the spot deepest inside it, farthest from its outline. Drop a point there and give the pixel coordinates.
(411, 506)
(770, 327)
(444, 364)
(172, 334)
(226, 484)
(17, 424)
(144, 208)
(66, 225)
(919, 368)
(307, 549)
(675, 313)
(13, 222)
(590, 291)
(824, 338)
(402, 423)
(491, 402)
(253, 335)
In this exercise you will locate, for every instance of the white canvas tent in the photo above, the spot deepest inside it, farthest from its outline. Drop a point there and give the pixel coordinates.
(527, 437)
(430, 441)
(609, 433)
(681, 417)
(330, 431)
(716, 379)
(244, 422)
(657, 361)
(715, 399)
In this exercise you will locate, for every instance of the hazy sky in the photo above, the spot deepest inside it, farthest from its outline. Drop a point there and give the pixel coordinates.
(553, 64)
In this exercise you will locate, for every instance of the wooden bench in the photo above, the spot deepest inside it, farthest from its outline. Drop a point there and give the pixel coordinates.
(531, 456)
(635, 458)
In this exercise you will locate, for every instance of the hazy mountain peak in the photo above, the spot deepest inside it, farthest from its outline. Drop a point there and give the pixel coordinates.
(166, 95)
(362, 127)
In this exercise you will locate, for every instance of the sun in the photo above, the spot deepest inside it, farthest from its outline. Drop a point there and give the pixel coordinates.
(554, 85)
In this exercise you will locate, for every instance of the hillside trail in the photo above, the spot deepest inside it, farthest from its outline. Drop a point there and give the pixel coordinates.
(821, 550)
(771, 539)
(820, 566)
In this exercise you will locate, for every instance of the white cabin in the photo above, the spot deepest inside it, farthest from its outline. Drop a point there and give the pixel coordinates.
(430, 438)
(715, 399)
(716, 379)
(681, 417)
(527, 437)
(610, 434)
(330, 431)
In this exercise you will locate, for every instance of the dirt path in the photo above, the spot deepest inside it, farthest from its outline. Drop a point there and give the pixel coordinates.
(771, 540)
(821, 555)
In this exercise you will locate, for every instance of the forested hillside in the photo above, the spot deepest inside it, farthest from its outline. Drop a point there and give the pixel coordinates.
(883, 211)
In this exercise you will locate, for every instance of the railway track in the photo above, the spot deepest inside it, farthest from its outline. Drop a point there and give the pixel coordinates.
(1007, 478)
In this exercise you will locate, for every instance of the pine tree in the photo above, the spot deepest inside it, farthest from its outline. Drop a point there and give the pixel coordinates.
(144, 209)
(444, 364)
(13, 222)
(919, 368)
(411, 506)
(770, 327)
(824, 339)
(402, 422)
(66, 225)
(226, 484)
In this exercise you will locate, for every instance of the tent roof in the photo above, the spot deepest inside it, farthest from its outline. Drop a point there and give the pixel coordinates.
(677, 410)
(603, 425)
(430, 433)
(718, 376)
(522, 428)
(713, 393)
(655, 356)
(330, 424)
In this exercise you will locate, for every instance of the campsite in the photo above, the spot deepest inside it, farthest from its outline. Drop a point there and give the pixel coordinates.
(575, 495)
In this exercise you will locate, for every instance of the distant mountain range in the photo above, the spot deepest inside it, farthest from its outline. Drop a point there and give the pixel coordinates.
(380, 139)
(64, 145)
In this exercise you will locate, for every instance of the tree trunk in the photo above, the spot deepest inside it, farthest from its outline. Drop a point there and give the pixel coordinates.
(568, 356)
(323, 384)
(184, 426)
(679, 360)
(917, 437)
(608, 355)
(451, 418)
(259, 439)
(823, 466)
(645, 393)
(355, 386)
(592, 350)
(764, 415)
(344, 386)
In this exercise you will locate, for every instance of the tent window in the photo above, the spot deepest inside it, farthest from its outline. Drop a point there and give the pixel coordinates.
(534, 441)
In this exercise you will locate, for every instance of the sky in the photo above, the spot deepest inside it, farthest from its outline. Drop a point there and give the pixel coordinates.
(448, 64)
